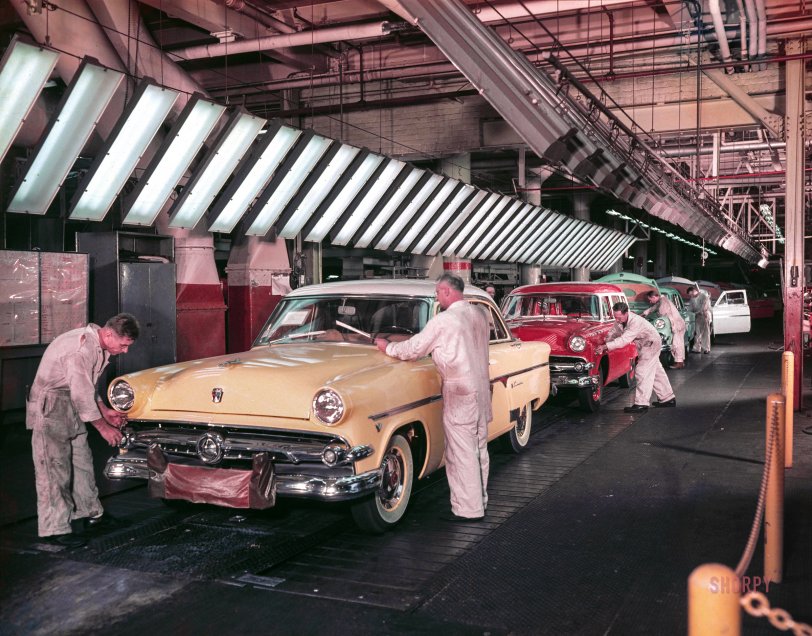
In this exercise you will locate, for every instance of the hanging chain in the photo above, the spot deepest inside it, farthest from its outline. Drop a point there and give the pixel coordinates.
(756, 604)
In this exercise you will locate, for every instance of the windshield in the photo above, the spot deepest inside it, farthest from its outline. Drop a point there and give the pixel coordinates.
(342, 319)
(552, 305)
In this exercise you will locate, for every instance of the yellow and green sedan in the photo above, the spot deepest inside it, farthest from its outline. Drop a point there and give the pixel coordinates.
(313, 409)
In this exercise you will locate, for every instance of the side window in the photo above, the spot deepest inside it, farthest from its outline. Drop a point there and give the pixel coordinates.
(498, 331)
(606, 308)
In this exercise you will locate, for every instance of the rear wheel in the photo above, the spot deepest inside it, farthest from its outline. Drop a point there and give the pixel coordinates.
(517, 438)
(629, 379)
(386, 507)
(589, 398)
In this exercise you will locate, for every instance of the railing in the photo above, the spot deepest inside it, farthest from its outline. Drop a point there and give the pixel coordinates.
(716, 593)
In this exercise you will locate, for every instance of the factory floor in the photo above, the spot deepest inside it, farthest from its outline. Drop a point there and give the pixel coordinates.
(594, 529)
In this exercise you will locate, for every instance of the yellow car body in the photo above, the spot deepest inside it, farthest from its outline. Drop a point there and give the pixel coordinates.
(209, 419)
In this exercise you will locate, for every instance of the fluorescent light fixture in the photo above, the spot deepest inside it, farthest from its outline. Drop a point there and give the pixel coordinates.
(446, 214)
(506, 231)
(428, 212)
(486, 242)
(235, 203)
(24, 70)
(492, 215)
(391, 205)
(518, 232)
(82, 105)
(460, 219)
(399, 223)
(113, 166)
(171, 161)
(231, 145)
(612, 213)
(326, 181)
(343, 198)
(282, 195)
(367, 203)
(471, 222)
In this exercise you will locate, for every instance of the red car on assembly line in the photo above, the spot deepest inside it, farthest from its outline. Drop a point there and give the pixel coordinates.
(573, 318)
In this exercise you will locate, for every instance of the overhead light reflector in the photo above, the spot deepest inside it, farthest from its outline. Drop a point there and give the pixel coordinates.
(236, 200)
(391, 205)
(113, 166)
(282, 195)
(24, 70)
(338, 164)
(221, 161)
(409, 211)
(367, 203)
(343, 198)
(81, 107)
(445, 215)
(172, 160)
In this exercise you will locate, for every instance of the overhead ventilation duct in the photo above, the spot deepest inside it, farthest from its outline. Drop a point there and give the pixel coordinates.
(719, 29)
(559, 117)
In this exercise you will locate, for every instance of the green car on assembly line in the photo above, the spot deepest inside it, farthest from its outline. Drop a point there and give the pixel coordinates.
(636, 288)
(687, 315)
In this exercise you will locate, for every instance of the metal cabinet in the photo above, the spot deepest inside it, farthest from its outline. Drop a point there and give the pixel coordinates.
(135, 273)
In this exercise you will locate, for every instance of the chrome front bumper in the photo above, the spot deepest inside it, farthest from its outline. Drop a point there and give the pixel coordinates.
(133, 465)
(572, 373)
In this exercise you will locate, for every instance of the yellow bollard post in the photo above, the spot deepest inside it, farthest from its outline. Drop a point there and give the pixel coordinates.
(774, 504)
(788, 389)
(713, 601)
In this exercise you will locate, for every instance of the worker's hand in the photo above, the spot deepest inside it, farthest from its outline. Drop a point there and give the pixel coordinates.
(112, 417)
(601, 349)
(110, 433)
(381, 344)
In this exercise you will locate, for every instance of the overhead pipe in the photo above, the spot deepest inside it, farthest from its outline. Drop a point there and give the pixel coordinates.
(742, 29)
(539, 7)
(302, 38)
(761, 12)
(752, 29)
(735, 147)
(719, 29)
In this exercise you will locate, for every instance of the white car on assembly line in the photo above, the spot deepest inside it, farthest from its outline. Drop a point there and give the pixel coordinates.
(731, 313)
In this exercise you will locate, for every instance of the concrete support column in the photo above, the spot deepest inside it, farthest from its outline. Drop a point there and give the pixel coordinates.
(258, 277)
(460, 266)
(640, 251)
(794, 230)
(660, 258)
(432, 264)
(580, 210)
(200, 309)
(530, 275)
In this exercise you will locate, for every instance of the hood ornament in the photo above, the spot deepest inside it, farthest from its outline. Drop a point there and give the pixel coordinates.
(217, 395)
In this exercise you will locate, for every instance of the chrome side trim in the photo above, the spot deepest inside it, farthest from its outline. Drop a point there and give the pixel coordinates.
(405, 407)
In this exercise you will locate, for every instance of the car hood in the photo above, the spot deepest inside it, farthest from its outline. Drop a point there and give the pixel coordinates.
(277, 381)
(556, 332)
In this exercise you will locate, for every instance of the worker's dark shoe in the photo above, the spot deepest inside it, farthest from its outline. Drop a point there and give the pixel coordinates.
(68, 540)
(667, 403)
(677, 365)
(105, 521)
(706, 351)
(636, 408)
(450, 516)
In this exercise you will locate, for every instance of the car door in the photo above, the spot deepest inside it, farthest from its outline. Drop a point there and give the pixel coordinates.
(731, 313)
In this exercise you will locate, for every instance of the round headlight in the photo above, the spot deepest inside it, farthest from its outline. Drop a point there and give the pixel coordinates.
(328, 407)
(122, 396)
(577, 343)
(659, 323)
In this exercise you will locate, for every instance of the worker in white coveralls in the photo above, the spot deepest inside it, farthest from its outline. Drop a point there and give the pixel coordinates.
(628, 328)
(62, 398)
(457, 339)
(699, 303)
(663, 306)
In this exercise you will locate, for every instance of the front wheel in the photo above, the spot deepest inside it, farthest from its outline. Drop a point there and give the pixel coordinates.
(517, 438)
(386, 507)
(589, 398)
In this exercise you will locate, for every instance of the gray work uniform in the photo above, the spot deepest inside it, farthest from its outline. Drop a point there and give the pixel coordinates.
(62, 398)
(650, 372)
(701, 306)
(457, 340)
